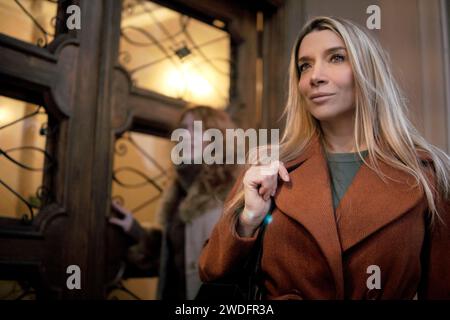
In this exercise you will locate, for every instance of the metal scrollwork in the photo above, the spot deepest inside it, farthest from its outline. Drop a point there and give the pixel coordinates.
(42, 41)
(42, 194)
(120, 174)
(48, 163)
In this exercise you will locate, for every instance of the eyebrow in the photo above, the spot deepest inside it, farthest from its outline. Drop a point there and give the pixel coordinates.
(328, 51)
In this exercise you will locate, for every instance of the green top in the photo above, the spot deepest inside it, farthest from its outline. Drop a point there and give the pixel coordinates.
(343, 168)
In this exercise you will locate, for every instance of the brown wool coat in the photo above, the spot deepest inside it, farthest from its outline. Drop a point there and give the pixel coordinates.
(310, 252)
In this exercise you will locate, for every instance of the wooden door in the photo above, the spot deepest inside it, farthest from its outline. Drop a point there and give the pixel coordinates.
(74, 78)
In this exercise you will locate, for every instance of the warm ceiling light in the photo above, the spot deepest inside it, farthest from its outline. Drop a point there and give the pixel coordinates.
(175, 81)
(198, 85)
(188, 84)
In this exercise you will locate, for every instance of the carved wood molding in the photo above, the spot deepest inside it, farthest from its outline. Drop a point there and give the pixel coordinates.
(38, 75)
(142, 110)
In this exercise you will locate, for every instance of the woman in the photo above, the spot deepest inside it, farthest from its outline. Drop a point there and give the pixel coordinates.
(191, 206)
(362, 208)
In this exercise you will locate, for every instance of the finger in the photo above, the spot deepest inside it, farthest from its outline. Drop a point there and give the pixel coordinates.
(251, 178)
(122, 210)
(271, 191)
(269, 169)
(267, 184)
(274, 190)
(116, 207)
(115, 221)
(282, 171)
(274, 187)
(263, 192)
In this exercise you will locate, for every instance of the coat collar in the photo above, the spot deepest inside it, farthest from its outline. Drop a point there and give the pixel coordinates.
(368, 205)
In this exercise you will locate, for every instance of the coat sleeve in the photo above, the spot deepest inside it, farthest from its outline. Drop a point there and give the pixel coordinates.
(225, 251)
(435, 282)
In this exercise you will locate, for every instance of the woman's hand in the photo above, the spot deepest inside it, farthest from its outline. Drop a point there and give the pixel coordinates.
(260, 184)
(127, 218)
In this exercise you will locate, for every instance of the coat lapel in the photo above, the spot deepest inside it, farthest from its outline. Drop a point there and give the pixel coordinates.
(307, 199)
(371, 203)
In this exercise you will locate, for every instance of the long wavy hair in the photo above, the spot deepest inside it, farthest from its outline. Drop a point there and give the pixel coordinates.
(213, 181)
(381, 120)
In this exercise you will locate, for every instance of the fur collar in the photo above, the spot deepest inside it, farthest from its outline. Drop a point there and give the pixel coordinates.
(188, 200)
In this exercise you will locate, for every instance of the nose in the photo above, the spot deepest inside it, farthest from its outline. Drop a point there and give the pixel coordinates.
(317, 76)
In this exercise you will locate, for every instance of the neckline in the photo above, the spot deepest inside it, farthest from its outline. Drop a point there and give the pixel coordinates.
(346, 157)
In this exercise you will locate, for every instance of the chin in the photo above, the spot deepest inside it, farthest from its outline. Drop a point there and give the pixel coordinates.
(324, 113)
(329, 112)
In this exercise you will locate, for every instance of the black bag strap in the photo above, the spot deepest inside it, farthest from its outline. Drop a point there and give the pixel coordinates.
(255, 288)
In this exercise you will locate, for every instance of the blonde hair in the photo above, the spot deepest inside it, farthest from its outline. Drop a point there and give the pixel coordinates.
(380, 116)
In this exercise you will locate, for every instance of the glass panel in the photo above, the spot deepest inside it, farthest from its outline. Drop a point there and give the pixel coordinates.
(142, 168)
(139, 177)
(16, 290)
(31, 21)
(175, 55)
(23, 132)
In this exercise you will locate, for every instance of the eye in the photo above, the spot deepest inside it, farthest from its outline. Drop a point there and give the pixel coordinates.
(336, 58)
(302, 67)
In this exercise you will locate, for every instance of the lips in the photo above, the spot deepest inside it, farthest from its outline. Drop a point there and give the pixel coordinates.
(320, 97)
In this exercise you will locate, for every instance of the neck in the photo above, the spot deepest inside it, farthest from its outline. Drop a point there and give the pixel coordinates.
(339, 136)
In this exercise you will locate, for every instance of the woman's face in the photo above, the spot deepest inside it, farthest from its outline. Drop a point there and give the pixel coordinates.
(326, 78)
